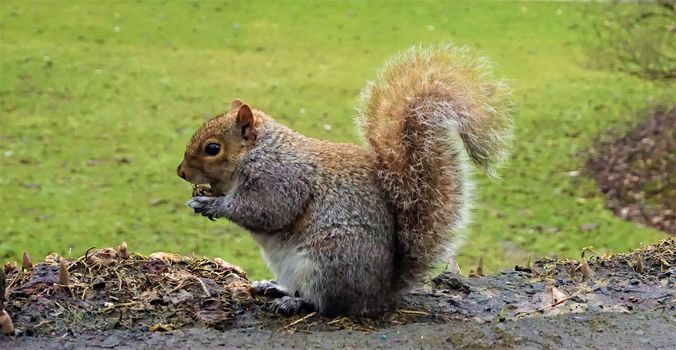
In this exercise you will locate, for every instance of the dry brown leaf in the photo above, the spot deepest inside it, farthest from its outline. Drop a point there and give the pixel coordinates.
(227, 267)
(240, 287)
(638, 264)
(63, 272)
(27, 264)
(123, 251)
(480, 267)
(9, 267)
(557, 296)
(52, 258)
(103, 256)
(161, 327)
(586, 271)
(168, 257)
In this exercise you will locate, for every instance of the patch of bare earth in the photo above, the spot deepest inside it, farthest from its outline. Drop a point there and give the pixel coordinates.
(637, 172)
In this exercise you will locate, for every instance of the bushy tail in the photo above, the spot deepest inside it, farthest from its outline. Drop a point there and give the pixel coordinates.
(428, 111)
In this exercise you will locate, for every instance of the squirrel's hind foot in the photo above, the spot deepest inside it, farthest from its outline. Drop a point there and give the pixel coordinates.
(290, 305)
(268, 288)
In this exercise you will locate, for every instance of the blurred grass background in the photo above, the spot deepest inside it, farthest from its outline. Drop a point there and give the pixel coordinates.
(98, 100)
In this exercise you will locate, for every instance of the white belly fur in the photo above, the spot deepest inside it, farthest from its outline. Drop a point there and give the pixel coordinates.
(292, 269)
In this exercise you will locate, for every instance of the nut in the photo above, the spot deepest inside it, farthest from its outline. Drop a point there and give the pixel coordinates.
(204, 191)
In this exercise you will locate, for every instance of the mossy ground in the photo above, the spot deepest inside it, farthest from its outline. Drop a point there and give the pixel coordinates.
(97, 101)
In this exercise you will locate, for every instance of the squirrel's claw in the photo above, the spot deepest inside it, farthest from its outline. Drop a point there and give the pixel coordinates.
(207, 206)
(198, 204)
(268, 288)
(290, 305)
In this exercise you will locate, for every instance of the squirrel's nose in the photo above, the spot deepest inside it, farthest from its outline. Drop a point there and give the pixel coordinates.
(180, 173)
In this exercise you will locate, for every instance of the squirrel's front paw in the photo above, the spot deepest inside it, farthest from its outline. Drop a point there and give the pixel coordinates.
(211, 207)
(290, 305)
(268, 288)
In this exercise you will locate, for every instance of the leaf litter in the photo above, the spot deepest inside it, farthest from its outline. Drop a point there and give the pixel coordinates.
(107, 289)
(111, 288)
(636, 171)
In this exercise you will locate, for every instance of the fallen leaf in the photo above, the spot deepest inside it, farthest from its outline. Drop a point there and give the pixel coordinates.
(161, 327)
(168, 257)
(556, 295)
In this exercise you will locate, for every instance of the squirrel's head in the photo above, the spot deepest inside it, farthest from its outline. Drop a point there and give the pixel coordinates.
(216, 148)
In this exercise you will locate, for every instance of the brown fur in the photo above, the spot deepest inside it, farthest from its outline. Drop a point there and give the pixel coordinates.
(423, 106)
(217, 171)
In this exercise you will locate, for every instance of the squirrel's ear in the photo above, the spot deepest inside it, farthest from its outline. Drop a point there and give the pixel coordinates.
(246, 122)
(236, 103)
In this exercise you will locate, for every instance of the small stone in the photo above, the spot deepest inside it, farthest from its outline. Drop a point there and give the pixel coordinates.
(153, 202)
(552, 229)
(588, 227)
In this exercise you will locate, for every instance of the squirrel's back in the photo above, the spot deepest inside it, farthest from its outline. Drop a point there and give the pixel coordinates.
(427, 112)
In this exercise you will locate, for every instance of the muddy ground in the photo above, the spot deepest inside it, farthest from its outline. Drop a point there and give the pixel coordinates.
(635, 172)
(112, 299)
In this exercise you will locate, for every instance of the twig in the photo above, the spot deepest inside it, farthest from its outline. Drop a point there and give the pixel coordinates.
(132, 303)
(42, 324)
(13, 281)
(84, 292)
(338, 320)
(180, 285)
(86, 255)
(204, 287)
(413, 312)
(299, 320)
(543, 308)
(119, 279)
(3, 280)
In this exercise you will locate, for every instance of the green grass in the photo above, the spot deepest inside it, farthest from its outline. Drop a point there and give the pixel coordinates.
(98, 99)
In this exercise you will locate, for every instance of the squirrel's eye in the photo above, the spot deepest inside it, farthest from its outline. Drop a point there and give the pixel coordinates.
(212, 149)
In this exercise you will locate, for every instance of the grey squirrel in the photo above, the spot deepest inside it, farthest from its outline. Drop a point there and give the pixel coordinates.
(347, 228)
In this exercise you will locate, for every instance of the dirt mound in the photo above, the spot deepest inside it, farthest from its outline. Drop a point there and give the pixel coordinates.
(110, 300)
(636, 172)
(112, 289)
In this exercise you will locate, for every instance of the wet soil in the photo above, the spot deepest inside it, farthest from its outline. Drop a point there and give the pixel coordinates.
(619, 301)
(636, 172)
